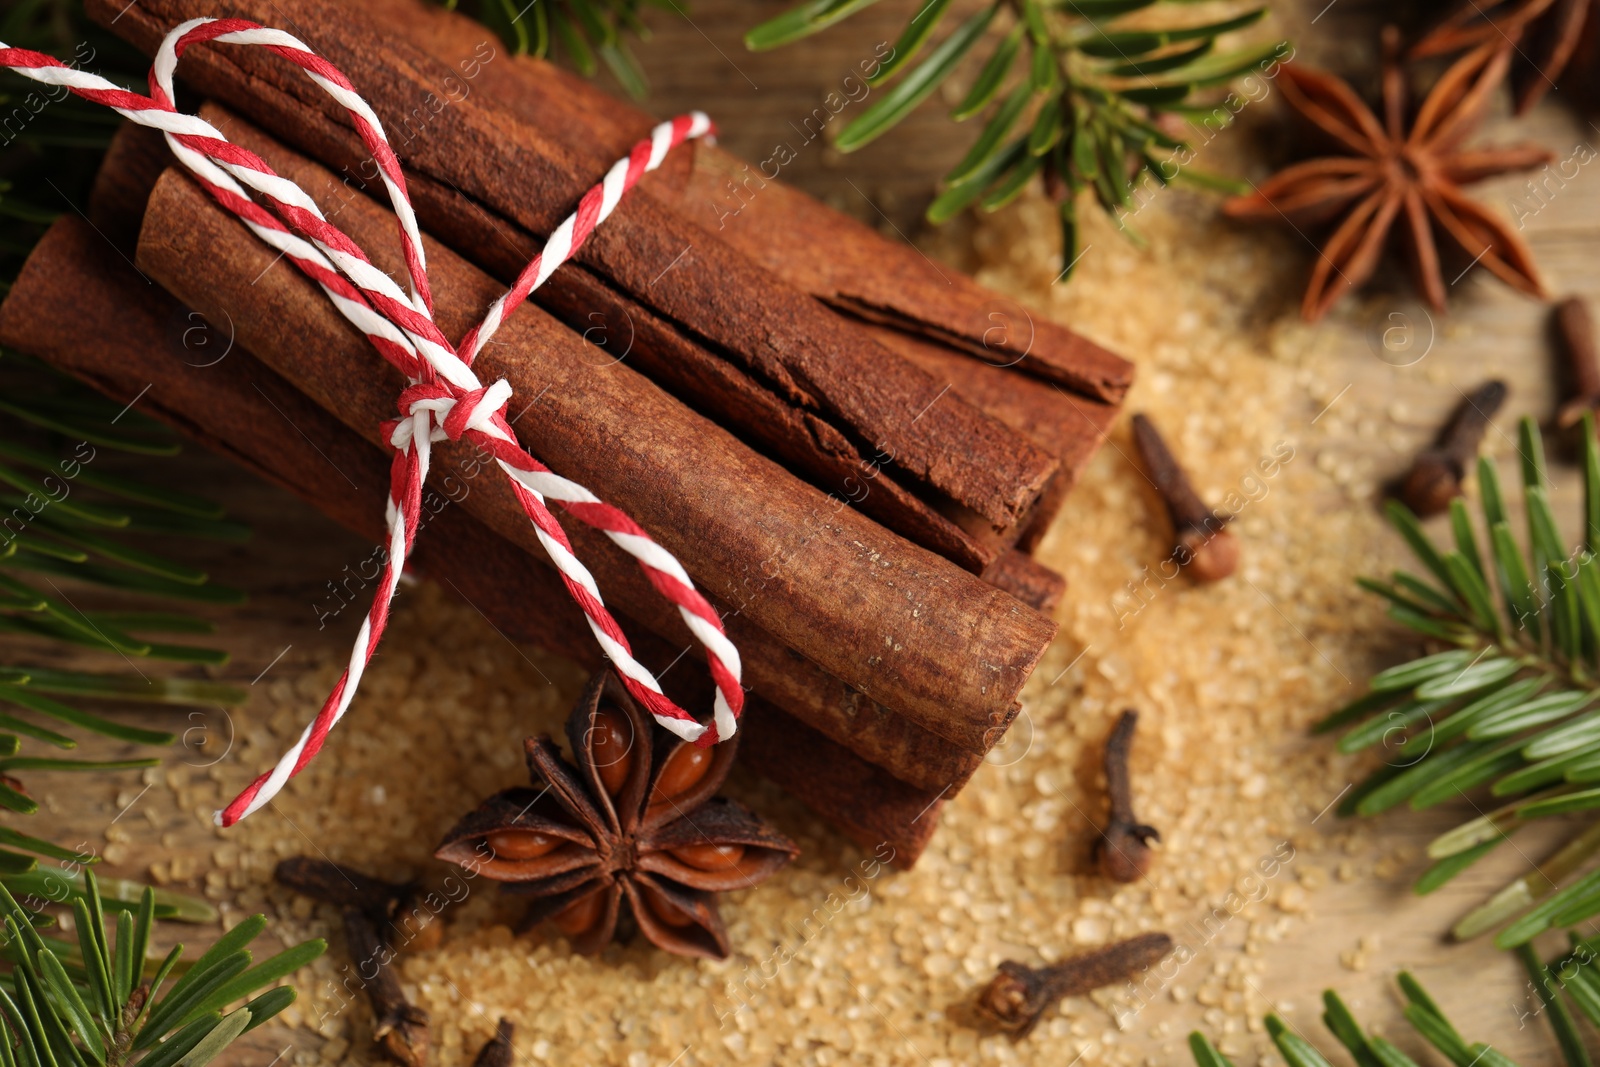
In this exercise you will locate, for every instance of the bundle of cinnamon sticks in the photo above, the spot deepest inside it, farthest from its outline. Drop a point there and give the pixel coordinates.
(849, 458)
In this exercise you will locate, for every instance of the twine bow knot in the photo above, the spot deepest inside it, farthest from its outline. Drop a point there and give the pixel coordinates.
(448, 414)
(445, 400)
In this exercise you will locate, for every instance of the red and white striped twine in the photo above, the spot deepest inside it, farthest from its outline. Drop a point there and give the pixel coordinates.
(445, 400)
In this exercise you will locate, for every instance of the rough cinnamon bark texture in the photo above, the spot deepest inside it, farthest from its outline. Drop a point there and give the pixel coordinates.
(618, 328)
(1068, 426)
(88, 313)
(615, 329)
(903, 626)
(1028, 580)
(853, 268)
(769, 221)
(788, 679)
(138, 155)
(995, 353)
(465, 160)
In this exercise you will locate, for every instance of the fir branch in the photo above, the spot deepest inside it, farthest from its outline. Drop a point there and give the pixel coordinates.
(71, 525)
(96, 1001)
(1073, 93)
(1369, 1049)
(1512, 708)
(52, 142)
(591, 32)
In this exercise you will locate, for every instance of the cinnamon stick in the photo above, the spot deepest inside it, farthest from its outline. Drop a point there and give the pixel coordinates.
(903, 626)
(1027, 579)
(466, 162)
(793, 682)
(904, 292)
(138, 155)
(85, 310)
(1040, 411)
(815, 248)
(938, 319)
(1069, 426)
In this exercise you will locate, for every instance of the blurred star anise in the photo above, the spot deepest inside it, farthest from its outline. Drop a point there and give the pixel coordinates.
(634, 821)
(1556, 43)
(1383, 173)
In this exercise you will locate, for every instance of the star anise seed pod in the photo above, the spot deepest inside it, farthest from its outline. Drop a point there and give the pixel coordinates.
(634, 821)
(1383, 174)
(1556, 43)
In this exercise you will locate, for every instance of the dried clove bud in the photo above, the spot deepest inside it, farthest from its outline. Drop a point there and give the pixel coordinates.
(1203, 546)
(332, 883)
(399, 1028)
(1123, 850)
(1435, 477)
(497, 1051)
(1015, 998)
(379, 918)
(1575, 343)
(395, 910)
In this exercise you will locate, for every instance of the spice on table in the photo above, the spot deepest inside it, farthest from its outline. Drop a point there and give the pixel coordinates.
(1435, 476)
(1384, 172)
(401, 913)
(497, 1051)
(1202, 545)
(1123, 849)
(399, 1027)
(1574, 330)
(380, 919)
(636, 820)
(1554, 41)
(1016, 997)
(333, 883)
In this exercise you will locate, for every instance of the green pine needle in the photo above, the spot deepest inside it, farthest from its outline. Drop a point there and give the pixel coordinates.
(89, 533)
(99, 1000)
(1429, 1021)
(1511, 705)
(586, 29)
(1087, 107)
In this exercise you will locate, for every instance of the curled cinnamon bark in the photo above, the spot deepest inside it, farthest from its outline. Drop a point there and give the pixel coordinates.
(91, 315)
(747, 330)
(816, 249)
(907, 628)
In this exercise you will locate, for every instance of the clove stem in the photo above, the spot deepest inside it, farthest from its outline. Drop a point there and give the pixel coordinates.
(497, 1051)
(1016, 997)
(397, 911)
(1574, 328)
(333, 883)
(1123, 849)
(399, 1028)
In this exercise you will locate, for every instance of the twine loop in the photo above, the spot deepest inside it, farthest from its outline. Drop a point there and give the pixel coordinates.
(445, 401)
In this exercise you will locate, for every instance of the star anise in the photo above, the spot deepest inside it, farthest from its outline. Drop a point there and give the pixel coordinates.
(1556, 42)
(1383, 173)
(635, 821)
